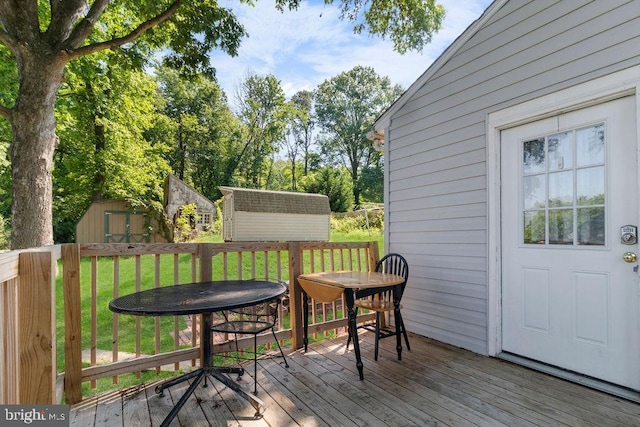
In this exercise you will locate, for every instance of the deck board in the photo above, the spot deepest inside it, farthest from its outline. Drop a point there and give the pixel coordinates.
(434, 384)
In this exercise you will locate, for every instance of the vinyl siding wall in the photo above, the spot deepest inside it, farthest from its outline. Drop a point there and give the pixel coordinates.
(437, 177)
(269, 227)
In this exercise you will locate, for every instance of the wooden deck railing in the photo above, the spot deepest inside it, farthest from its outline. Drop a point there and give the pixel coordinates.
(93, 274)
(27, 321)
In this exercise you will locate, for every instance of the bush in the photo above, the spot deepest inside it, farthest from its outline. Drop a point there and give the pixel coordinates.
(370, 220)
(333, 183)
(184, 224)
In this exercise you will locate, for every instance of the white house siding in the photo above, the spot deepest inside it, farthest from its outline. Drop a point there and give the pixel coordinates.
(436, 142)
(268, 227)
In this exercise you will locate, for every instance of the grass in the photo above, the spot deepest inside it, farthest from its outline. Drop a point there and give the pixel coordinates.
(126, 341)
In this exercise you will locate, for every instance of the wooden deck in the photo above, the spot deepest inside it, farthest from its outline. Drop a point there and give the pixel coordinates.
(434, 384)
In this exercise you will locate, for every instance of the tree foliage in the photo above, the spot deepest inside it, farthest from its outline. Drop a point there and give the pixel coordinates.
(104, 151)
(346, 107)
(44, 37)
(263, 112)
(200, 128)
(333, 183)
(299, 133)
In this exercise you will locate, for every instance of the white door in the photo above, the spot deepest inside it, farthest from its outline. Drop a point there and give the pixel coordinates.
(568, 185)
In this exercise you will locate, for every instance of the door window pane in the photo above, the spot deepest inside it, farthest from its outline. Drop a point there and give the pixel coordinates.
(560, 151)
(563, 188)
(534, 191)
(591, 226)
(561, 227)
(534, 156)
(590, 145)
(534, 227)
(590, 187)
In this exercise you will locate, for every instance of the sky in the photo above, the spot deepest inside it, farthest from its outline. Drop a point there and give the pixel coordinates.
(305, 47)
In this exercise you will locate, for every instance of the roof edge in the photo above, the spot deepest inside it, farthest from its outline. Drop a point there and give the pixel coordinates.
(228, 190)
(385, 118)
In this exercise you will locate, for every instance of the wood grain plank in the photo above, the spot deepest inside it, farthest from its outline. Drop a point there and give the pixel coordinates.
(159, 406)
(414, 371)
(135, 410)
(191, 413)
(355, 394)
(213, 406)
(302, 414)
(84, 413)
(109, 410)
(433, 384)
(37, 328)
(275, 415)
(531, 399)
(300, 386)
(419, 402)
(323, 385)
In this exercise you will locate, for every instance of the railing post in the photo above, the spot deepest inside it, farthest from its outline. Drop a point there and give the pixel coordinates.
(72, 323)
(374, 255)
(10, 365)
(205, 253)
(37, 330)
(295, 296)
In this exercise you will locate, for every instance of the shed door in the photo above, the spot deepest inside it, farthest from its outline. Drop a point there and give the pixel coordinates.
(126, 227)
(569, 183)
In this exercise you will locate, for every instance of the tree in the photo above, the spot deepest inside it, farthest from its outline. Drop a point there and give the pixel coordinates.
(263, 112)
(371, 182)
(333, 183)
(104, 151)
(200, 127)
(346, 107)
(43, 37)
(300, 132)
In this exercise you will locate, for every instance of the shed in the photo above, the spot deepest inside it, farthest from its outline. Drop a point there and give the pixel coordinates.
(177, 193)
(511, 187)
(115, 221)
(261, 215)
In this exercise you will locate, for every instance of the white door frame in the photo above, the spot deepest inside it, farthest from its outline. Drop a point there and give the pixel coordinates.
(607, 88)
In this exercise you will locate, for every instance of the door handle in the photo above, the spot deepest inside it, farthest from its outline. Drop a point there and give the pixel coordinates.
(629, 257)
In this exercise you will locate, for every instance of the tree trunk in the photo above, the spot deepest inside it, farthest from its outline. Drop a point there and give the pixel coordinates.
(34, 141)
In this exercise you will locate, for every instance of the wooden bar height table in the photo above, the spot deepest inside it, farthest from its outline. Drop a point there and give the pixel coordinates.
(328, 286)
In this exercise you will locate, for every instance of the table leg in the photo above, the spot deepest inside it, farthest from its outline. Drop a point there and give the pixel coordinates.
(206, 368)
(305, 321)
(170, 383)
(353, 330)
(200, 374)
(397, 321)
(257, 404)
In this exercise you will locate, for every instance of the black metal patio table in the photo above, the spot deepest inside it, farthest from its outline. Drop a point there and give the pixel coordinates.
(203, 298)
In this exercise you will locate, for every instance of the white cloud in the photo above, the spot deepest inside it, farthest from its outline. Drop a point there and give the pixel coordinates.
(305, 47)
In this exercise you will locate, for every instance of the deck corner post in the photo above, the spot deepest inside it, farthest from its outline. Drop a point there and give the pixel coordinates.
(37, 328)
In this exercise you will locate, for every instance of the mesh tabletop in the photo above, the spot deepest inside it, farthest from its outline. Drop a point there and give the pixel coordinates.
(197, 298)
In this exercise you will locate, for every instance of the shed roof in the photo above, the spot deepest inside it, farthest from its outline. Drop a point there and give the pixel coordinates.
(251, 200)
